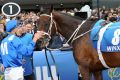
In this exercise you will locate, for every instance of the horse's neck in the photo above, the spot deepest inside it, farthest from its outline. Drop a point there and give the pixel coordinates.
(66, 26)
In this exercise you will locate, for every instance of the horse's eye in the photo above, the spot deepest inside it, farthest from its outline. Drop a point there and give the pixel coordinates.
(46, 24)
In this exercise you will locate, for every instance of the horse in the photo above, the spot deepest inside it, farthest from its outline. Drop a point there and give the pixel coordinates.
(84, 53)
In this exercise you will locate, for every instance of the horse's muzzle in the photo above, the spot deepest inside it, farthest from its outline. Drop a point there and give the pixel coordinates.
(45, 40)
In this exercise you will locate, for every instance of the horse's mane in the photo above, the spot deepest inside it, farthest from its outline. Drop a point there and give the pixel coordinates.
(76, 17)
(70, 23)
(73, 22)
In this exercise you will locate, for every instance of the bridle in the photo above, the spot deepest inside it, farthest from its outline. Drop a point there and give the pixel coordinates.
(73, 37)
(52, 22)
(48, 33)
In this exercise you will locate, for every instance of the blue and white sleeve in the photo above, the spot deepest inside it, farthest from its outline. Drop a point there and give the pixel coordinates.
(24, 49)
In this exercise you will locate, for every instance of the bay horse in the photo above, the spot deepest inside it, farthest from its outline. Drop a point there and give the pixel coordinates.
(84, 53)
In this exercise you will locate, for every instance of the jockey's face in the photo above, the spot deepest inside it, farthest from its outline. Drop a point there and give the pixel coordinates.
(28, 27)
(24, 29)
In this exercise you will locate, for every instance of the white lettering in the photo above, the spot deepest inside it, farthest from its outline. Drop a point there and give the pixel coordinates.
(4, 48)
(118, 47)
(109, 48)
(38, 73)
(11, 9)
(113, 48)
(54, 72)
(115, 39)
(44, 73)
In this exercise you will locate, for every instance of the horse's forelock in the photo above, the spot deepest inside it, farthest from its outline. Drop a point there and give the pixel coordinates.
(42, 21)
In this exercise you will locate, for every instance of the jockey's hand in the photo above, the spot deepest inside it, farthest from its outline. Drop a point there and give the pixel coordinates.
(38, 35)
(2, 68)
(23, 61)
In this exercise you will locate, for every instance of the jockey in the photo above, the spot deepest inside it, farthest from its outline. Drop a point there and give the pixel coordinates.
(12, 49)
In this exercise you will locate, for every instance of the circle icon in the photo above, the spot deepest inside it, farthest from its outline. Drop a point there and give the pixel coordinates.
(11, 9)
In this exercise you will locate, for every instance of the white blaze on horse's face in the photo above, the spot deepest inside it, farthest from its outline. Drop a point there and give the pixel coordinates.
(43, 25)
(44, 22)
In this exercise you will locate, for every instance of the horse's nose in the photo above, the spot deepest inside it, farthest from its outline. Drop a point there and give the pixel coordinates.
(47, 36)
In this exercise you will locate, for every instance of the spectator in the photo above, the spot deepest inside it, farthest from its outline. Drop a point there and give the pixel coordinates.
(27, 60)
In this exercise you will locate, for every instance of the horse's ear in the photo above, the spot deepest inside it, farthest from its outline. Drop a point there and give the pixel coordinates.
(82, 15)
(51, 9)
(48, 11)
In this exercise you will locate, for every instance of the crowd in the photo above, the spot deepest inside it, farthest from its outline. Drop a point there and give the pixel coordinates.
(109, 14)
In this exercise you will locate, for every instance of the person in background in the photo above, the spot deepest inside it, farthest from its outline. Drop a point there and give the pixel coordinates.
(2, 28)
(2, 36)
(3, 20)
(12, 49)
(118, 17)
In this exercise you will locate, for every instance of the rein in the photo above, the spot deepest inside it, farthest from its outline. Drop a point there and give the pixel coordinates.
(75, 32)
(72, 37)
(49, 33)
(49, 64)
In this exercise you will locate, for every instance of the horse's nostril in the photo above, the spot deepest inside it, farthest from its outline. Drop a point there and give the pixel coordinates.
(47, 36)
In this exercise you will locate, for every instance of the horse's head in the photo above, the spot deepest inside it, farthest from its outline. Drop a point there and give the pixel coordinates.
(47, 24)
(64, 24)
